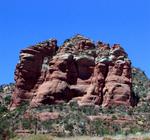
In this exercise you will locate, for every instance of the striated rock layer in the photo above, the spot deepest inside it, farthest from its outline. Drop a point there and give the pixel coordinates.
(80, 69)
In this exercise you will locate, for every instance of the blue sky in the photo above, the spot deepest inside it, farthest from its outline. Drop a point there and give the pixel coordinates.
(26, 22)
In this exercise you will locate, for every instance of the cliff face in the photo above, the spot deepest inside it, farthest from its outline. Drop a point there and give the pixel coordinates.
(81, 70)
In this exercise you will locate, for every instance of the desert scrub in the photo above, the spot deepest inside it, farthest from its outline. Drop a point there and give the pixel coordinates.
(99, 128)
(140, 83)
(9, 120)
(34, 137)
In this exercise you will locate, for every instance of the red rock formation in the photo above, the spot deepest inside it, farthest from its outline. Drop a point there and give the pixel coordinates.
(42, 116)
(30, 70)
(46, 116)
(81, 70)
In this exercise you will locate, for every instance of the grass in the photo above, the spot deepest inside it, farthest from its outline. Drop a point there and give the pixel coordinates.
(117, 137)
(34, 137)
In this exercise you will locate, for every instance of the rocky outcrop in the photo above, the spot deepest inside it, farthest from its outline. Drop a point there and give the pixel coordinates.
(81, 70)
(31, 69)
(41, 116)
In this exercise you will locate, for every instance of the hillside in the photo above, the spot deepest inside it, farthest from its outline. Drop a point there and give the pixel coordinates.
(78, 88)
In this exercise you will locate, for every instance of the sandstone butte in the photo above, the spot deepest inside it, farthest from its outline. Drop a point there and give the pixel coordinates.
(81, 70)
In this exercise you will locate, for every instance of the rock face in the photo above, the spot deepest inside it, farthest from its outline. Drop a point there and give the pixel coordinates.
(31, 69)
(80, 70)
